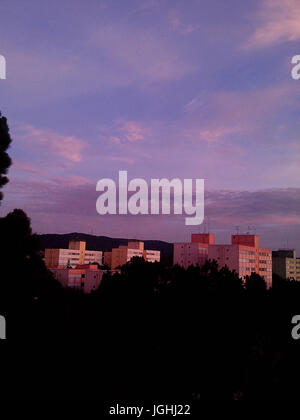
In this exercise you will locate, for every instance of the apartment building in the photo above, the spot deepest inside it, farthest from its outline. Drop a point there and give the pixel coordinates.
(243, 254)
(85, 277)
(286, 264)
(74, 255)
(194, 252)
(151, 256)
(124, 253)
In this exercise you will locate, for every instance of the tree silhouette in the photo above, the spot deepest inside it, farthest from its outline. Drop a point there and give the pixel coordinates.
(24, 276)
(255, 284)
(5, 160)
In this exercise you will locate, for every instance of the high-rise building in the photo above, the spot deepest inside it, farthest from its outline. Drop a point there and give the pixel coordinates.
(195, 252)
(243, 254)
(124, 253)
(74, 255)
(78, 246)
(286, 264)
(85, 277)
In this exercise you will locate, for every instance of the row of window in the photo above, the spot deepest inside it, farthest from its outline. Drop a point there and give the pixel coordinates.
(265, 254)
(244, 252)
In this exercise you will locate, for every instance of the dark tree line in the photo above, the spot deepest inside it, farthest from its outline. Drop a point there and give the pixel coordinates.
(200, 333)
(23, 273)
(28, 294)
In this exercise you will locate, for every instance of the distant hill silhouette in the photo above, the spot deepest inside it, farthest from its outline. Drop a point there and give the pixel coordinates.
(103, 243)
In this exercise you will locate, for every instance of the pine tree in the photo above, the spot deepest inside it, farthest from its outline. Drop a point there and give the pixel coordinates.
(5, 160)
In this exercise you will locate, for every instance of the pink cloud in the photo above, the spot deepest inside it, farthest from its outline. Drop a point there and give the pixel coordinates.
(72, 180)
(279, 22)
(242, 106)
(132, 131)
(121, 132)
(68, 147)
(20, 166)
(115, 140)
(210, 135)
(124, 159)
(229, 112)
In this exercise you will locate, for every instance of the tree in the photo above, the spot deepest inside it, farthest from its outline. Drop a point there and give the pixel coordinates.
(20, 253)
(5, 160)
(23, 272)
(255, 284)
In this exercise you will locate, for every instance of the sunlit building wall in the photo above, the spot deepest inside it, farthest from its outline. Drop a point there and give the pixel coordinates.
(74, 255)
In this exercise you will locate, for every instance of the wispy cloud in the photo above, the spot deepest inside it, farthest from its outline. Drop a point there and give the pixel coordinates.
(279, 21)
(124, 159)
(71, 180)
(193, 104)
(270, 206)
(23, 167)
(120, 132)
(115, 140)
(144, 56)
(68, 147)
(229, 112)
(132, 131)
(210, 135)
(176, 23)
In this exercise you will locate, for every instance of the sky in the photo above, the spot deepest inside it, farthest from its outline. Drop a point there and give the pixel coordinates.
(161, 89)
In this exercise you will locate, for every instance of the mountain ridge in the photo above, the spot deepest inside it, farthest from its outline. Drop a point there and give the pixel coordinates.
(101, 243)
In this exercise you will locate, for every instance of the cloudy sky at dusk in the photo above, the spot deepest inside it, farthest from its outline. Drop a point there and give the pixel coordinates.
(162, 88)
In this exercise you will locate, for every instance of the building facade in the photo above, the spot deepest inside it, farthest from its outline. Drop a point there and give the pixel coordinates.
(243, 254)
(286, 264)
(194, 252)
(85, 277)
(151, 256)
(124, 253)
(74, 255)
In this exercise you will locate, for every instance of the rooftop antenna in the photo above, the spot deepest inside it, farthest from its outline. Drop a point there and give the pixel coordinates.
(237, 230)
(253, 229)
